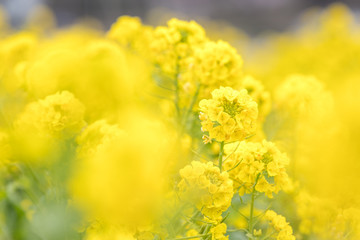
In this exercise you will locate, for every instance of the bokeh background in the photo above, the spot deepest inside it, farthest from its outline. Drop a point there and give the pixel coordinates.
(322, 141)
(252, 16)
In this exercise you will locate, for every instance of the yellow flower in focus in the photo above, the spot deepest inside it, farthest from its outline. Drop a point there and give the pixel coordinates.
(218, 232)
(262, 162)
(203, 185)
(278, 222)
(229, 116)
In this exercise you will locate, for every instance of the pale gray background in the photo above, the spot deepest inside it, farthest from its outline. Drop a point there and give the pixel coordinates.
(253, 16)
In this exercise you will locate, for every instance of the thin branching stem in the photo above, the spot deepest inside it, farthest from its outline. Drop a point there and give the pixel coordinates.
(221, 155)
(227, 157)
(251, 216)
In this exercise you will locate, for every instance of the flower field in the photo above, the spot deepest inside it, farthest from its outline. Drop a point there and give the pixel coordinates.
(180, 131)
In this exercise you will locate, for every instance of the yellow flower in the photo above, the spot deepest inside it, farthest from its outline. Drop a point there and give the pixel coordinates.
(59, 115)
(280, 225)
(229, 116)
(218, 232)
(95, 136)
(204, 185)
(171, 45)
(257, 232)
(214, 64)
(15, 50)
(264, 186)
(125, 166)
(44, 125)
(129, 32)
(263, 162)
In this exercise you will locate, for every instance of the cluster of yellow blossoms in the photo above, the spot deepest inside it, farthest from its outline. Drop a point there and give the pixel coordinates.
(172, 45)
(42, 124)
(130, 32)
(259, 165)
(212, 65)
(229, 116)
(61, 115)
(204, 185)
(278, 222)
(218, 232)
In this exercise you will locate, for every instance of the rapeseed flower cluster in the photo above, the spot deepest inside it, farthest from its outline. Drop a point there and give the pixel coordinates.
(229, 116)
(259, 165)
(174, 44)
(282, 228)
(169, 133)
(129, 32)
(60, 115)
(212, 65)
(217, 232)
(206, 187)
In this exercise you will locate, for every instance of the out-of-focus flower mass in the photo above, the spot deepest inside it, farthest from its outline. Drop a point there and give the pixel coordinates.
(174, 132)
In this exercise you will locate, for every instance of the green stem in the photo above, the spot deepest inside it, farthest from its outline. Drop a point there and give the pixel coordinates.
(192, 218)
(232, 152)
(234, 166)
(251, 217)
(258, 217)
(193, 101)
(251, 212)
(177, 97)
(268, 235)
(245, 217)
(221, 155)
(207, 229)
(189, 110)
